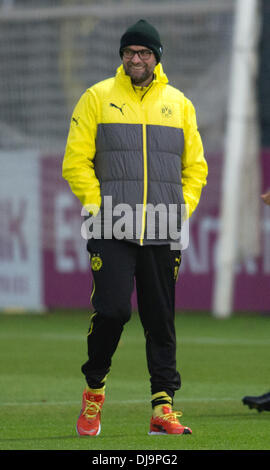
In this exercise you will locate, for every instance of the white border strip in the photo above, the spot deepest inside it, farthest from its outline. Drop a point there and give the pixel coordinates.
(110, 11)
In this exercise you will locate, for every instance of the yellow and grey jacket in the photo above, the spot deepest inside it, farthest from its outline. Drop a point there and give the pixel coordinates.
(141, 149)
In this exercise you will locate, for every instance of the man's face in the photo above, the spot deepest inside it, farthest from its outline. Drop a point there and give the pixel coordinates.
(140, 70)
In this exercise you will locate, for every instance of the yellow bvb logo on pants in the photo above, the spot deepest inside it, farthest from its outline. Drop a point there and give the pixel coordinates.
(96, 262)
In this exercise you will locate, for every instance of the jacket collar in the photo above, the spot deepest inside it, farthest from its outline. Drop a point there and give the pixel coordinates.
(160, 76)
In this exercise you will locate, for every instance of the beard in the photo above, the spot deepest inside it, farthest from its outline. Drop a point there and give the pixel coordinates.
(138, 75)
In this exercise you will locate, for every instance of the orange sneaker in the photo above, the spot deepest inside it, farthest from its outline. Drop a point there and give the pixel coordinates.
(168, 423)
(88, 423)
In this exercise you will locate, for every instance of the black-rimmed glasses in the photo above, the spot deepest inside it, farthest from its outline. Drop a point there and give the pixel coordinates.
(144, 54)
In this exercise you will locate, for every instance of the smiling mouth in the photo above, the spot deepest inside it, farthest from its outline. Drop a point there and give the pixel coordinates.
(134, 67)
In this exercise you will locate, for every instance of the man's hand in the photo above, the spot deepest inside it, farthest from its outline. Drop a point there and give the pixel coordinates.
(266, 198)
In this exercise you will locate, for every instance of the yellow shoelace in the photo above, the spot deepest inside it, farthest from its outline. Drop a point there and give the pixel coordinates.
(172, 416)
(91, 409)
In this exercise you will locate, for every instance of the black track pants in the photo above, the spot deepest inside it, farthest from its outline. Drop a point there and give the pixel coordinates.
(115, 264)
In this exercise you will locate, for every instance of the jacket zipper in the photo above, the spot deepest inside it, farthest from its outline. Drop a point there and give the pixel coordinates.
(145, 170)
(145, 184)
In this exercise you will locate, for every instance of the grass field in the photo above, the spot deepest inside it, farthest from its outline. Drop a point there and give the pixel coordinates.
(220, 361)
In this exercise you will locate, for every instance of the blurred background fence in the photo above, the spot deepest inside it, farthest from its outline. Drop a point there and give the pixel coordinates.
(50, 52)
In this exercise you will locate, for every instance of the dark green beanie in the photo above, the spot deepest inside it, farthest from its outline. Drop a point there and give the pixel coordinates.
(142, 33)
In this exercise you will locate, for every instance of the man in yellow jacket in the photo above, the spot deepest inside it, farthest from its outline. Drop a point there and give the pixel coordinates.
(134, 149)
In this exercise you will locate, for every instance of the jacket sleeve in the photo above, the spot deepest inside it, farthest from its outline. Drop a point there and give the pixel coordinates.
(194, 166)
(78, 164)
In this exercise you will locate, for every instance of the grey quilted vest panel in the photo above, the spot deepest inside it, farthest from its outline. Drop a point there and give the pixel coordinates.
(119, 167)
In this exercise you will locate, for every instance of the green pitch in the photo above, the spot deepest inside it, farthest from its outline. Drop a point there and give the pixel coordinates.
(220, 361)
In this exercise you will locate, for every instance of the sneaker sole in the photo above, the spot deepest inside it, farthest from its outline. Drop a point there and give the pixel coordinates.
(252, 405)
(160, 433)
(89, 435)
